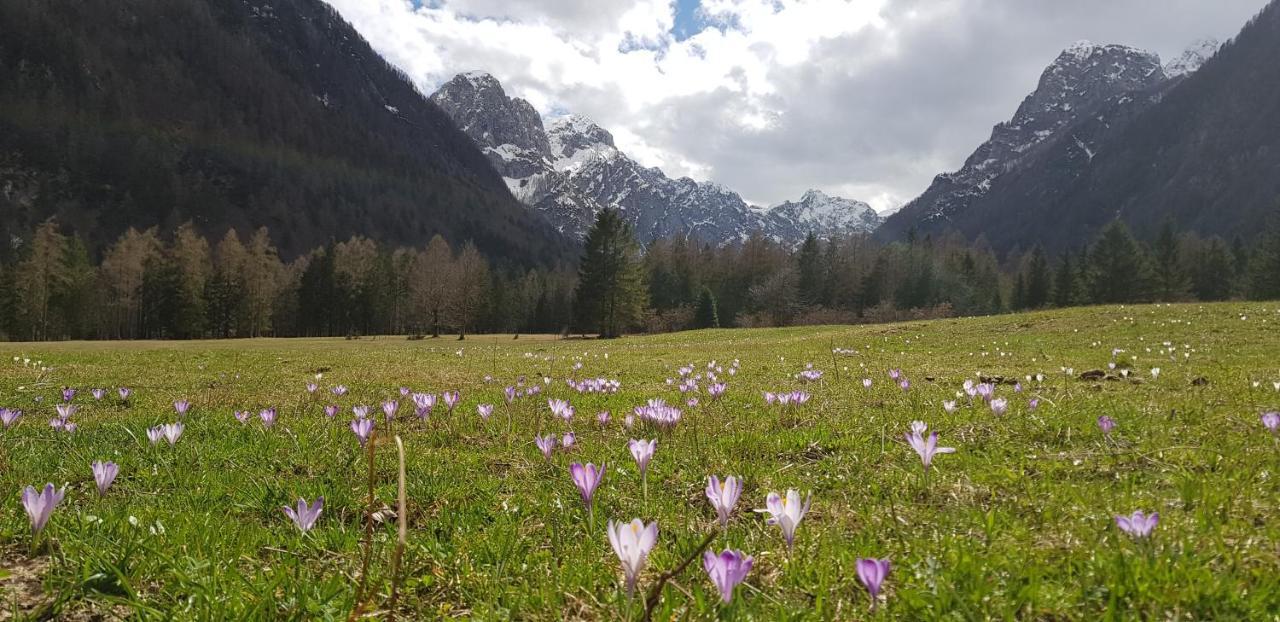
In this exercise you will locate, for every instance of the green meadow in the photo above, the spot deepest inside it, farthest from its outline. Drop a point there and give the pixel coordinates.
(1017, 523)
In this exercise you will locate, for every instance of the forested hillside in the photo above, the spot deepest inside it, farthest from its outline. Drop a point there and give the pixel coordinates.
(233, 114)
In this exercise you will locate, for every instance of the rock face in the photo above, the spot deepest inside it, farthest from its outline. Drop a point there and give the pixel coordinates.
(1084, 79)
(1192, 58)
(571, 169)
(1192, 142)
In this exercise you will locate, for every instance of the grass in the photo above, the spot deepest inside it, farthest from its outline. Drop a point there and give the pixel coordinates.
(1018, 523)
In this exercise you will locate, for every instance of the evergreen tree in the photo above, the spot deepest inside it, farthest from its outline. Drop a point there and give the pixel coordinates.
(1064, 283)
(610, 295)
(1117, 266)
(706, 315)
(1018, 301)
(317, 295)
(1264, 275)
(809, 262)
(1212, 272)
(1039, 283)
(1170, 279)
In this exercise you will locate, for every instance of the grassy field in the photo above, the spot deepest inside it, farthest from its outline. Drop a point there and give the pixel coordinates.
(1017, 523)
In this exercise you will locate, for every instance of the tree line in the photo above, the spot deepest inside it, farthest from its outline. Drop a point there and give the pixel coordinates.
(179, 285)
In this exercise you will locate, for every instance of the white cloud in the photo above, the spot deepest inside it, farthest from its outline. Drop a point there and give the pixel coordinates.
(864, 98)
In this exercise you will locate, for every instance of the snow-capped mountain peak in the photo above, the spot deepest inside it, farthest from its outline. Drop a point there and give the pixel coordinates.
(571, 169)
(820, 213)
(1193, 57)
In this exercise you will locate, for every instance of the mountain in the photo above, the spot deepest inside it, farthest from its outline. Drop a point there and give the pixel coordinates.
(1194, 142)
(820, 213)
(1192, 58)
(571, 169)
(1083, 81)
(235, 113)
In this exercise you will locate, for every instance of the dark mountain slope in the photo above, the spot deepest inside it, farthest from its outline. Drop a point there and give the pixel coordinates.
(234, 114)
(1203, 149)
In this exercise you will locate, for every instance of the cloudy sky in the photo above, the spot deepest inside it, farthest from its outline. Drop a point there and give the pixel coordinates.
(868, 99)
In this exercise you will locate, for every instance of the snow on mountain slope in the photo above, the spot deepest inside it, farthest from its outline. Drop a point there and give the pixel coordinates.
(571, 168)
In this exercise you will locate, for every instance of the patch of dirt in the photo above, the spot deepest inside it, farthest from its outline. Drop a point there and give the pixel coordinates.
(22, 591)
(21, 587)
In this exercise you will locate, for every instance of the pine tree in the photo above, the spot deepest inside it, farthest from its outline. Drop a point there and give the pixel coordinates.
(1264, 269)
(809, 262)
(1018, 301)
(611, 293)
(1212, 272)
(1064, 283)
(706, 315)
(1117, 267)
(1170, 279)
(1039, 282)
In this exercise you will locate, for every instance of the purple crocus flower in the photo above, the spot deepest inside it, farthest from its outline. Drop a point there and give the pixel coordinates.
(484, 410)
(786, 512)
(1138, 525)
(716, 390)
(451, 399)
(872, 572)
(331, 411)
(39, 505)
(586, 478)
(726, 570)
(312, 387)
(242, 416)
(339, 390)
(268, 416)
(360, 411)
(98, 394)
(104, 473)
(1106, 424)
(182, 406)
(423, 403)
(723, 496)
(1270, 421)
(172, 431)
(546, 444)
(124, 393)
(65, 411)
(509, 394)
(362, 428)
(642, 451)
(389, 409)
(568, 440)
(1033, 404)
(155, 434)
(9, 416)
(999, 406)
(561, 408)
(632, 542)
(68, 394)
(603, 418)
(925, 447)
(895, 373)
(305, 516)
(866, 383)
